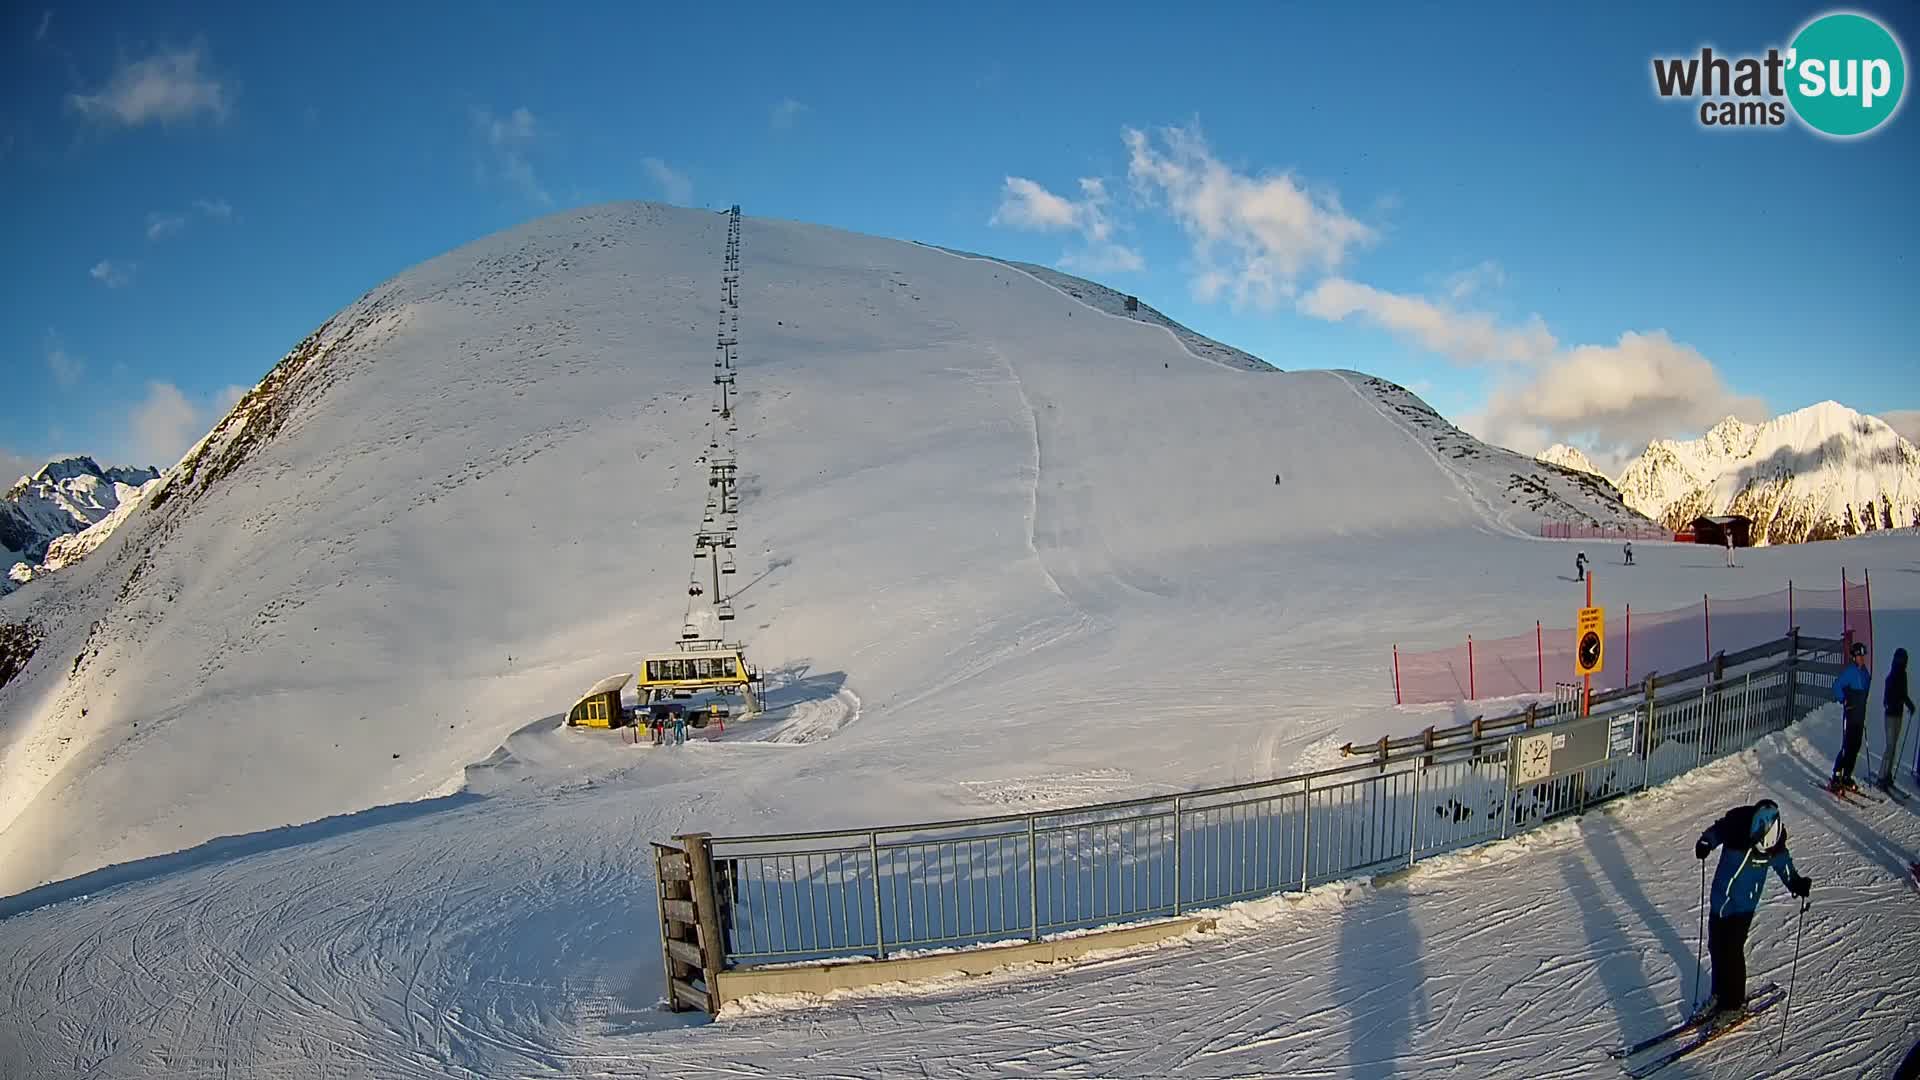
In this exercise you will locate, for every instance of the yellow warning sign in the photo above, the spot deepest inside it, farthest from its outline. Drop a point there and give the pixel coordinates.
(1590, 641)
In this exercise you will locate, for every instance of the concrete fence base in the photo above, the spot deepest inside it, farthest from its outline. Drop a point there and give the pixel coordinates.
(737, 983)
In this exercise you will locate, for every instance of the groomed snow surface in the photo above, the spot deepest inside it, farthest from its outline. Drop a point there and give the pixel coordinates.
(304, 806)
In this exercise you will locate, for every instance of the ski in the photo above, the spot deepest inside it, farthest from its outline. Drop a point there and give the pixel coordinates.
(1752, 1009)
(1852, 795)
(1684, 1026)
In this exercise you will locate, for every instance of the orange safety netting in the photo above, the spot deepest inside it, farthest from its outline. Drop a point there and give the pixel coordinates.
(1638, 644)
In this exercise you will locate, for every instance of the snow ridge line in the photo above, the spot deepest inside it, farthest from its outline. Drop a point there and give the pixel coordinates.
(1103, 314)
(1496, 521)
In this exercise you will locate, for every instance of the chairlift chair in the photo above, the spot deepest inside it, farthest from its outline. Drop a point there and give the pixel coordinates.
(727, 567)
(724, 610)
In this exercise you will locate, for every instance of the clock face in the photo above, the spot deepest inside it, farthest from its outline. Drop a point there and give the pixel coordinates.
(1589, 651)
(1534, 759)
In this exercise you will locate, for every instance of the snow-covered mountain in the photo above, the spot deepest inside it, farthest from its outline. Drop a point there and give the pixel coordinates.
(1006, 546)
(1820, 472)
(62, 498)
(1568, 457)
(471, 493)
(66, 509)
(1511, 490)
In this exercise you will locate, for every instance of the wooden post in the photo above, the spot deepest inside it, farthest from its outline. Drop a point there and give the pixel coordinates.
(1706, 620)
(679, 929)
(1533, 711)
(1427, 742)
(1383, 753)
(1471, 688)
(1539, 658)
(1396, 674)
(713, 953)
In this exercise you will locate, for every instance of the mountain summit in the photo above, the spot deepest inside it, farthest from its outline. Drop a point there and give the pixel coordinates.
(1820, 472)
(63, 498)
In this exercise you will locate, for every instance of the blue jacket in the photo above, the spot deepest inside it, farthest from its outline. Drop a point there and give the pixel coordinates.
(1850, 690)
(1742, 873)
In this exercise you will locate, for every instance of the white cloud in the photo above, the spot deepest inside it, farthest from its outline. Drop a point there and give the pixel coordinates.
(112, 274)
(673, 184)
(67, 368)
(164, 87)
(1025, 204)
(507, 139)
(1472, 337)
(1252, 237)
(786, 112)
(1906, 422)
(1611, 400)
(166, 422)
(1484, 277)
(46, 22)
(217, 209)
(162, 224)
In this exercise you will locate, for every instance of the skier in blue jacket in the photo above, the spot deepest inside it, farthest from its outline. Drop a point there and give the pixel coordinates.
(1850, 690)
(1752, 841)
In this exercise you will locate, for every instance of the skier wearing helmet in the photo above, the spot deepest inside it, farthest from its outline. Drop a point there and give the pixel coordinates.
(1850, 690)
(1752, 842)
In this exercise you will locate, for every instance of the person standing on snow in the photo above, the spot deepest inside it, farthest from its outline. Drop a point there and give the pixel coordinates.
(1898, 707)
(1580, 567)
(1726, 539)
(1752, 841)
(1850, 690)
(1629, 553)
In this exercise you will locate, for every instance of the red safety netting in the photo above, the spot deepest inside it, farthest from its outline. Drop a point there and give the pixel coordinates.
(1857, 601)
(1562, 530)
(1638, 644)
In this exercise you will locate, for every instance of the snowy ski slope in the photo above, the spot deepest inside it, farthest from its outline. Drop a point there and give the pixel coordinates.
(999, 548)
(478, 496)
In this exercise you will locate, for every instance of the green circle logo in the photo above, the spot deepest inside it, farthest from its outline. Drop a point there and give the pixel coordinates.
(1845, 74)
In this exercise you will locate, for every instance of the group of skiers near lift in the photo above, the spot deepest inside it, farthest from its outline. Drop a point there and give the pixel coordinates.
(1753, 840)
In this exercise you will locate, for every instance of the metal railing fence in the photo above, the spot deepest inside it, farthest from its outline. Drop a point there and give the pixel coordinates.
(961, 884)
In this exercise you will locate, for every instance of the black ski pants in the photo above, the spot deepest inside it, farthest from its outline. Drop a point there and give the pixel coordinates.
(1852, 733)
(1727, 945)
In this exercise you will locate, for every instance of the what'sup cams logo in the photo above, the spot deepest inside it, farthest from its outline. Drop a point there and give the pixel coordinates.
(1843, 76)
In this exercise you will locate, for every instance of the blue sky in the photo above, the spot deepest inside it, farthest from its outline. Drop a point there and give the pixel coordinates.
(1487, 203)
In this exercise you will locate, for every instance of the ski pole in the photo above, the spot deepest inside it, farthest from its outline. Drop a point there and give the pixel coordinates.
(1786, 1007)
(1700, 942)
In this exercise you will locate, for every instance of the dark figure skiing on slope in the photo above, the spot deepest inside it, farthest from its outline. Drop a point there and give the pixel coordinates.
(1629, 552)
(1580, 567)
(1752, 842)
(1898, 706)
(1850, 690)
